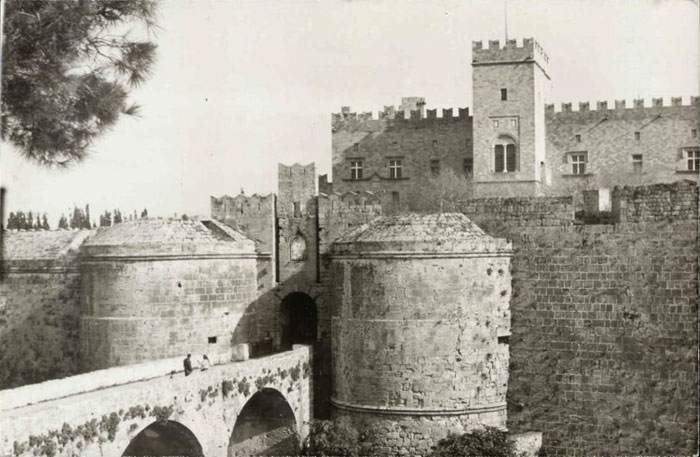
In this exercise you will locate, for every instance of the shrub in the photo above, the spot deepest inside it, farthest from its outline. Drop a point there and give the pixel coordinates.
(333, 438)
(487, 442)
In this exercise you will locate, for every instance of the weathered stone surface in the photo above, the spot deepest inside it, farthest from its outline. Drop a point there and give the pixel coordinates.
(420, 303)
(154, 289)
(415, 142)
(207, 403)
(39, 305)
(604, 345)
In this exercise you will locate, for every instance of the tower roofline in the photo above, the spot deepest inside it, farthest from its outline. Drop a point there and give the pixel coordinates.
(510, 54)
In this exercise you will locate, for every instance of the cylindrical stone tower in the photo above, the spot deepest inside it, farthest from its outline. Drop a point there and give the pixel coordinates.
(420, 325)
(153, 289)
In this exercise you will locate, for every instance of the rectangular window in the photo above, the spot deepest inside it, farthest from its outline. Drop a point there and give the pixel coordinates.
(395, 198)
(297, 209)
(395, 168)
(355, 169)
(694, 133)
(578, 138)
(504, 94)
(434, 167)
(356, 147)
(637, 136)
(510, 158)
(578, 162)
(505, 158)
(495, 123)
(499, 155)
(513, 123)
(637, 163)
(468, 166)
(693, 158)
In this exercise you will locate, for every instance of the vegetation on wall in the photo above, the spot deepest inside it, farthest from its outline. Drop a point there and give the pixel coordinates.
(54, 441)
(62, 441)
(487, 442)
(335, 438)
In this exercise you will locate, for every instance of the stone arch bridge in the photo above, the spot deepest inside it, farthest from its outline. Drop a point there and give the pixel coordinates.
(257, 405)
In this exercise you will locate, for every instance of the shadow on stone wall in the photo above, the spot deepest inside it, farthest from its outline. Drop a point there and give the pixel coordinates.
(39, 320)
(279, 318)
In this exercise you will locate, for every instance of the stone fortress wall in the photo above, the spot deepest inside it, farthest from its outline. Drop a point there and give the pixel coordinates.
(39, 305)
(614, 136)
(603, 344)
(634, 144)
(604, 320)
(417, 141)
(604, 317)
(421, 306)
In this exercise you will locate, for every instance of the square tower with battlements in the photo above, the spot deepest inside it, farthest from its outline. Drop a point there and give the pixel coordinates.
(510, 88)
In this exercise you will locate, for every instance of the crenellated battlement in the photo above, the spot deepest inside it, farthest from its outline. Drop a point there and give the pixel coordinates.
(296, 169)
(510, 52)
(389, 115)
(638, 104)
(230, 207)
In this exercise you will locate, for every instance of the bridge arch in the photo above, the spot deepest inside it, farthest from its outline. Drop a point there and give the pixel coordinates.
(164, 438)
(266, 425)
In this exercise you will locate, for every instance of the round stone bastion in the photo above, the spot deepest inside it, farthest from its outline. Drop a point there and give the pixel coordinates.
(156, 288)
(421, 319)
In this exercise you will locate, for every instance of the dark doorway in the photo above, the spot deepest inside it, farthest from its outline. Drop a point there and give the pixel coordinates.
(299, 320)
(300, 326)
(164, 438)
(265, 426)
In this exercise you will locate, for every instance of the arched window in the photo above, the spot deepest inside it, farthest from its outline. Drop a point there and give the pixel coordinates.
(505, 154)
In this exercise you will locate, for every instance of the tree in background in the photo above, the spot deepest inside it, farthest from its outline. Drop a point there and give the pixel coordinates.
(20, 221)
(78, 219)
(63, 222)
(67, 72)
(117, 216)
(86, 222)
(12, 223)
(144, 214)
(106, 219)
(440, 194)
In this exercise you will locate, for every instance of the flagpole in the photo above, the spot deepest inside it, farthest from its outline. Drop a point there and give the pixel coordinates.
(505, 16)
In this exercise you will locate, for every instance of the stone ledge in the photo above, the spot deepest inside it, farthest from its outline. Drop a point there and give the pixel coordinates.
(395, 411)
(100, 379)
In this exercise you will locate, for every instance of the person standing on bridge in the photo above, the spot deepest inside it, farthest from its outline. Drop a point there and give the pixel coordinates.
(204, 364)
(188, 364)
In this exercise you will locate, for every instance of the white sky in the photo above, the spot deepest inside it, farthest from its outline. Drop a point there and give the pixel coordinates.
(242, 85)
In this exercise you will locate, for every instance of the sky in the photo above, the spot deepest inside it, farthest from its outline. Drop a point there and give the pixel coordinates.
(242, 85)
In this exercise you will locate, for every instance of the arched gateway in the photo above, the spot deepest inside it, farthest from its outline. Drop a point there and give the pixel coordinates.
(299, 320)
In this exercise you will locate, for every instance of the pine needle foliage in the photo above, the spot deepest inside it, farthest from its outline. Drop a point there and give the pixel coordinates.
(67, 68)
